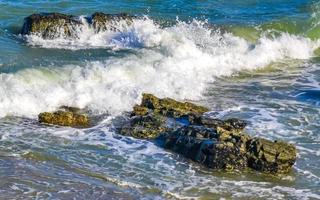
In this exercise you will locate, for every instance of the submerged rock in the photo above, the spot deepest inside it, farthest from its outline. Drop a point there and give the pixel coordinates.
(50, 25)
(64, 118)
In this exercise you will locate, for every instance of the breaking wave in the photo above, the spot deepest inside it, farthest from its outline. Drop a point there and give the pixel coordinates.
(177, 61)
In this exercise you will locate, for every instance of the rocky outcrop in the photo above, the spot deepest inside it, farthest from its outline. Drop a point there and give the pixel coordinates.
(50, 25)
(154, 116)
(145, 126)
(54, 25)
(170, 107)
(203, 145)
(102, 22)
(270, 156)
(219, 144)
(65, 117)
(184, 128)
(217, 148)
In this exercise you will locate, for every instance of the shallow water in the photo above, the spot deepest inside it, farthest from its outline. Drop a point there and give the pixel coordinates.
(255, 60)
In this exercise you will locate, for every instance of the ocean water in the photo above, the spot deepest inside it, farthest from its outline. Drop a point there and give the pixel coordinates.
(258, 60)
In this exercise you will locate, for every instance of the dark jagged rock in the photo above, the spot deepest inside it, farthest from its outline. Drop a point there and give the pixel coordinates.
(220, 144)
(202, 145)
(154, 116)
(148, 126)
(145, 127)
(102, 22)
(64, 118)
(229, 124)
(268, 156)
(50, 25)
(182, 128)
(216, 148)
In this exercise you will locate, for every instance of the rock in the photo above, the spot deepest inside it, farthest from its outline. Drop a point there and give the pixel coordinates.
(139, 111)
(145, 127)
(102, 22)
(154, 116)
(202, 145)
(50, 25)
(220, 144)
(222, 149)
(54, 25)
(268, 156)
(64, 118)
(229, 124)
(170, 107)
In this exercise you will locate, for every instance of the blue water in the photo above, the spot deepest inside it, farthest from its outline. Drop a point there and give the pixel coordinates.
(255, 60)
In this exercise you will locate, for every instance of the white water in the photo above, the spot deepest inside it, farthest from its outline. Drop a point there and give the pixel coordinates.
(177, 62)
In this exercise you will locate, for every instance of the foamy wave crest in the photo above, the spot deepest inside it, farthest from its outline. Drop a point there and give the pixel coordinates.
(177, 61)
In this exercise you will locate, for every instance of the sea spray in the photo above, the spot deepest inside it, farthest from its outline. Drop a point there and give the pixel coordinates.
(177, 61)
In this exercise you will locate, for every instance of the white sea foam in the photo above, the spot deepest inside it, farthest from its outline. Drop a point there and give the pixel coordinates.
(177, 61)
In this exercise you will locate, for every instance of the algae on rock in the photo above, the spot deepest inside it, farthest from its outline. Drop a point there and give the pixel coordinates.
(55, 25)
(64, 118)
(215, 143)
(102, 22)
(271, 156)
(170, 107)
(50, 25)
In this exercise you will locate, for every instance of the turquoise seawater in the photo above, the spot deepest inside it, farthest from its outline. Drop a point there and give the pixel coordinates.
(258, 60)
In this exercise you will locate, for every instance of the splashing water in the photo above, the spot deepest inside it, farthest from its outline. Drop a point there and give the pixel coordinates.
(253, 64)
(176, 61)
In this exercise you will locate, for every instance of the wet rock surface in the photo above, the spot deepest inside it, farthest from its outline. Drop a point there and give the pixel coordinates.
(183, 128)
(102, 22)
(65, 117)
(203, 145)
(50, 25)
(145, 127)
(220, 144)
(53, 25)
(270, 156)
(170, 107)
